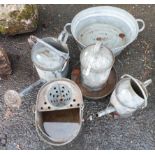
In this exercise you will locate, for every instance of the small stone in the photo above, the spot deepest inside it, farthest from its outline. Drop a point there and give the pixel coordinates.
(2, 136)
(3, 142)
(18, 147)
(8, 114)
(116, 115)
(91, 118)
(3, 139)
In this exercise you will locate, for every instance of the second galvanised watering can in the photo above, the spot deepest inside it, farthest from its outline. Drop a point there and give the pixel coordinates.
(50, 57)
(129, 95)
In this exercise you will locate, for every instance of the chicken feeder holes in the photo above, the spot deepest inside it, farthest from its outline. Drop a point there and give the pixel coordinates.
(59, 98)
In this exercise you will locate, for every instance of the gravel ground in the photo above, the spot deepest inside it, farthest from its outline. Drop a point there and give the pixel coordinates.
(17, 128)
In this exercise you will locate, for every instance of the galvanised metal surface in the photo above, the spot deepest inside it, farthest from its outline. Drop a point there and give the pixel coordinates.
(48, 66)
(116, 27)
(137, 132)
(59, 111)
(129, 95)
(96, 62)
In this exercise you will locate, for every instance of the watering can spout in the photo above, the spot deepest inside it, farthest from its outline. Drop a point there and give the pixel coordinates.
(108, 110)
(147, 83)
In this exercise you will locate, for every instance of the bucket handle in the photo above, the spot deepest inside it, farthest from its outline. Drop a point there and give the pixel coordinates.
(143, 24)
(64, 35)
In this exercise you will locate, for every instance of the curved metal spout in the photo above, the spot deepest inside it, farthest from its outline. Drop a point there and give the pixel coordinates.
(147, 83)
(108, 110)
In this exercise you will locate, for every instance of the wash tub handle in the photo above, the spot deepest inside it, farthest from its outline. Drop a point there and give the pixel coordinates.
(143, 24)
(65, 34)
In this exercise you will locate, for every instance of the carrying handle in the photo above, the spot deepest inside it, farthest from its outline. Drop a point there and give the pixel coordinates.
(145, 84)
(143, 24)
(95, 50)
(64, 35)
(98, 46)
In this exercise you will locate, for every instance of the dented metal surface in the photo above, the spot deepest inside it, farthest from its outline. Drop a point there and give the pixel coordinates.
(59, 112)
(129, 95)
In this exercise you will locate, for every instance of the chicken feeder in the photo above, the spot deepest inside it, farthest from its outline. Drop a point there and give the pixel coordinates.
(97, 77)
(50, 57)
(96, 64)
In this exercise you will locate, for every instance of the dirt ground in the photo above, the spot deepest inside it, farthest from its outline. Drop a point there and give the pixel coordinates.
(17, 130)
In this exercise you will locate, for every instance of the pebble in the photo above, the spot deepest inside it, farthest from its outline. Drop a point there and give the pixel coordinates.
(3, 140)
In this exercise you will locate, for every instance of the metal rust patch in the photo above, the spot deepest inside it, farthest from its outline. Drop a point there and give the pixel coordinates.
(122, 35)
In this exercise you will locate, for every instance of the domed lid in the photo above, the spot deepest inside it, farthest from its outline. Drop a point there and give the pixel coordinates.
(97, 57)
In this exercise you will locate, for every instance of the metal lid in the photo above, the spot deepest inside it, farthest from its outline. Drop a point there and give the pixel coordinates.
(59, 94)
(97, 57)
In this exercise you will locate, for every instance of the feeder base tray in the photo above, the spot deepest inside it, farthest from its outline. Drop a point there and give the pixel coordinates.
(105, 91)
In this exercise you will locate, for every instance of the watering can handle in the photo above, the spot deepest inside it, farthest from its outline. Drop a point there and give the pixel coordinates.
(143, 24)
(146, 83)
(126, 75)
(64, 35)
